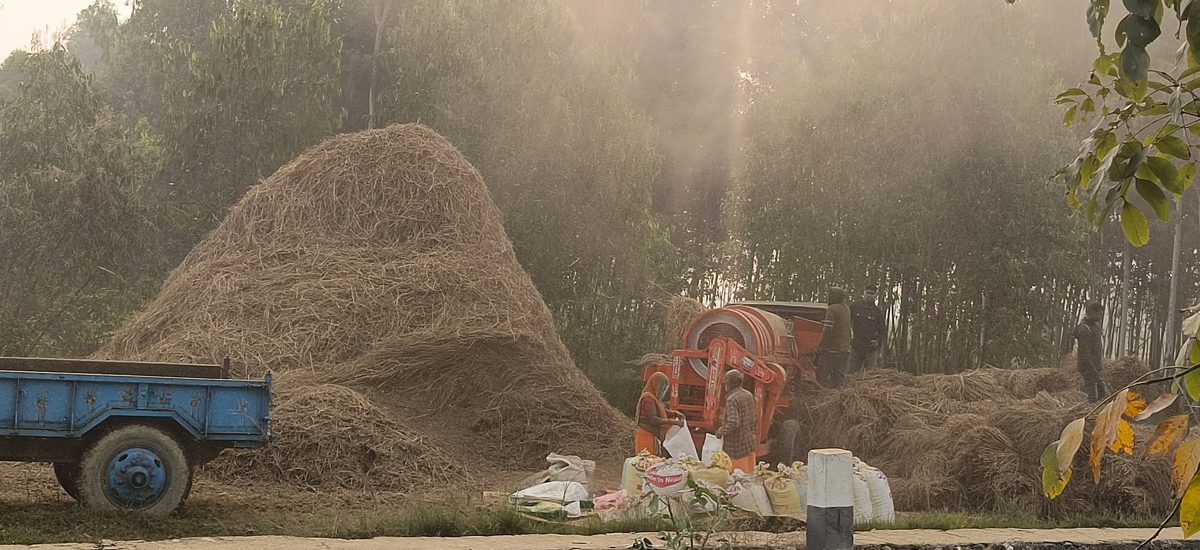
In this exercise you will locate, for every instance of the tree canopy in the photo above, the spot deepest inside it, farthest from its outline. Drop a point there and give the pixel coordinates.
(720, 149)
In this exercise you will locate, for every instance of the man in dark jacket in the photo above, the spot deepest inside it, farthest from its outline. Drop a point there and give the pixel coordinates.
(1091, 352)
(870, 331)
(833, 353)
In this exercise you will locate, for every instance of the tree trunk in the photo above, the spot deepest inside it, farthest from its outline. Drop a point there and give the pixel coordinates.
(900, 344)
(1156, 339)
(381, 14)
(983, 330)
(1110, 329)
(1070, 306)
(1122, 315)
(1173, 296)
(1135, 327)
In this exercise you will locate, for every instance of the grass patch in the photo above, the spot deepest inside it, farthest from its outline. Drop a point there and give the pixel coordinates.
(65, 522)
(445, 521)
(945, 521)
(60, 523)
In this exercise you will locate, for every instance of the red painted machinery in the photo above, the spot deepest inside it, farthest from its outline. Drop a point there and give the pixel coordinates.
(769, 342)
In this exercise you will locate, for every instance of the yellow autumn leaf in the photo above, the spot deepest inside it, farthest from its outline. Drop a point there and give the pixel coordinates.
(1098, 442)
(1069, 441)
(1057, 487)
(1164, 401)
(1124, 441)
(1113, 422)
(1134, 404)
(1167, 436)
(1189, 509)
(1053, 482)
(1187, 458)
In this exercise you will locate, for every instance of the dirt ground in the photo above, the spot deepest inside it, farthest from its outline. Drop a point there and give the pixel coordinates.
(34, 509)
(965, 537)
(33, 486)
(35, 483)
(27, 483)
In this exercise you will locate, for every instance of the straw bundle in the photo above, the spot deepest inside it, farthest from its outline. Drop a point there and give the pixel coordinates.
(678, 312)
(378, 261)
(973, 441)
(333, 436)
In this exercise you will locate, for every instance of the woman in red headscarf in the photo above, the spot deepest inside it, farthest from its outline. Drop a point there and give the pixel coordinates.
(653, 417)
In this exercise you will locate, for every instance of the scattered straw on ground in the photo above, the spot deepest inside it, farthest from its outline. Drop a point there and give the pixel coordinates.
(378, 261)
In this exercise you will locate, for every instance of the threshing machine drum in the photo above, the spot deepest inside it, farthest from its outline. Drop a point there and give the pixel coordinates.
(759, 332)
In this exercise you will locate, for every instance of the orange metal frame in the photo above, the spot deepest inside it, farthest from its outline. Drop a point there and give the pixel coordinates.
(700, 399)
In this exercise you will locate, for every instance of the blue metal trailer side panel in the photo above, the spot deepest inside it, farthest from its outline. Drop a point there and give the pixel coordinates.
(93, 399)
(42, 405)
(8, 404)
(234, 412)
(50, 405)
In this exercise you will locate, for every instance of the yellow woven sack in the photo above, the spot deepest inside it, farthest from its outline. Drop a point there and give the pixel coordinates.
(711, 475)
(785, 500)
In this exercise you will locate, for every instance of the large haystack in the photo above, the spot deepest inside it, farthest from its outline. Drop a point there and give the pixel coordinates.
(378, 261)
(973, 441)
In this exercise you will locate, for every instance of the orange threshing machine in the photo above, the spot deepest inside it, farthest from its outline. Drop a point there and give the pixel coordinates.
(769, 342)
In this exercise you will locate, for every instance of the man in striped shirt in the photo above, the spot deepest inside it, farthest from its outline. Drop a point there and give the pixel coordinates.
(739, 423)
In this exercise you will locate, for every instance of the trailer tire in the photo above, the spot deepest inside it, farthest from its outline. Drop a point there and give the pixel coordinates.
(783, 449)
(188, 492)
(67, 474)
(136, 468)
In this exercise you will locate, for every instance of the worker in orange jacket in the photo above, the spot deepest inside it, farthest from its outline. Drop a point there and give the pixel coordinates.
(653, 416)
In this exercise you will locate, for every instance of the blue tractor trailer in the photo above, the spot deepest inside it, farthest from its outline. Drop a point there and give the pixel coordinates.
(125, 435)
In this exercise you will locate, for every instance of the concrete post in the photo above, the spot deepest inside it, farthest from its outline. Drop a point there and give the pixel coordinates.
(830, 500)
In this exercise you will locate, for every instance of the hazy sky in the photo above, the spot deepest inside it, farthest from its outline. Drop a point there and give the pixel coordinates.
(19, 18)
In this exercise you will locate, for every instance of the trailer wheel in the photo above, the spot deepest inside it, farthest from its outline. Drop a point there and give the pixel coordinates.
(68, 477)
(135, 468)
(783, 449)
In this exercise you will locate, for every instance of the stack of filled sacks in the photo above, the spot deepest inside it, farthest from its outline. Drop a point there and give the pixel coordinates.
(872, 495)
(764, 492)
(562, 489)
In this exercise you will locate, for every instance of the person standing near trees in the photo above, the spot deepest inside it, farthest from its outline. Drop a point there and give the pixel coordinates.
(833, 353)
(870, 331)
(1091, 352)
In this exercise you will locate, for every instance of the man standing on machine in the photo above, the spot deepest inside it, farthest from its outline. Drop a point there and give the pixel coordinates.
(833, 353)
(870, 331)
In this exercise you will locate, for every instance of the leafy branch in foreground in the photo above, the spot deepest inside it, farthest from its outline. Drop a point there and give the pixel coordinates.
(695, 515)
(1141, 143)
(1113, 431)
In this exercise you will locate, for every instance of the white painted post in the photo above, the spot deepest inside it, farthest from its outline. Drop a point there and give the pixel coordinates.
(830, 500)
